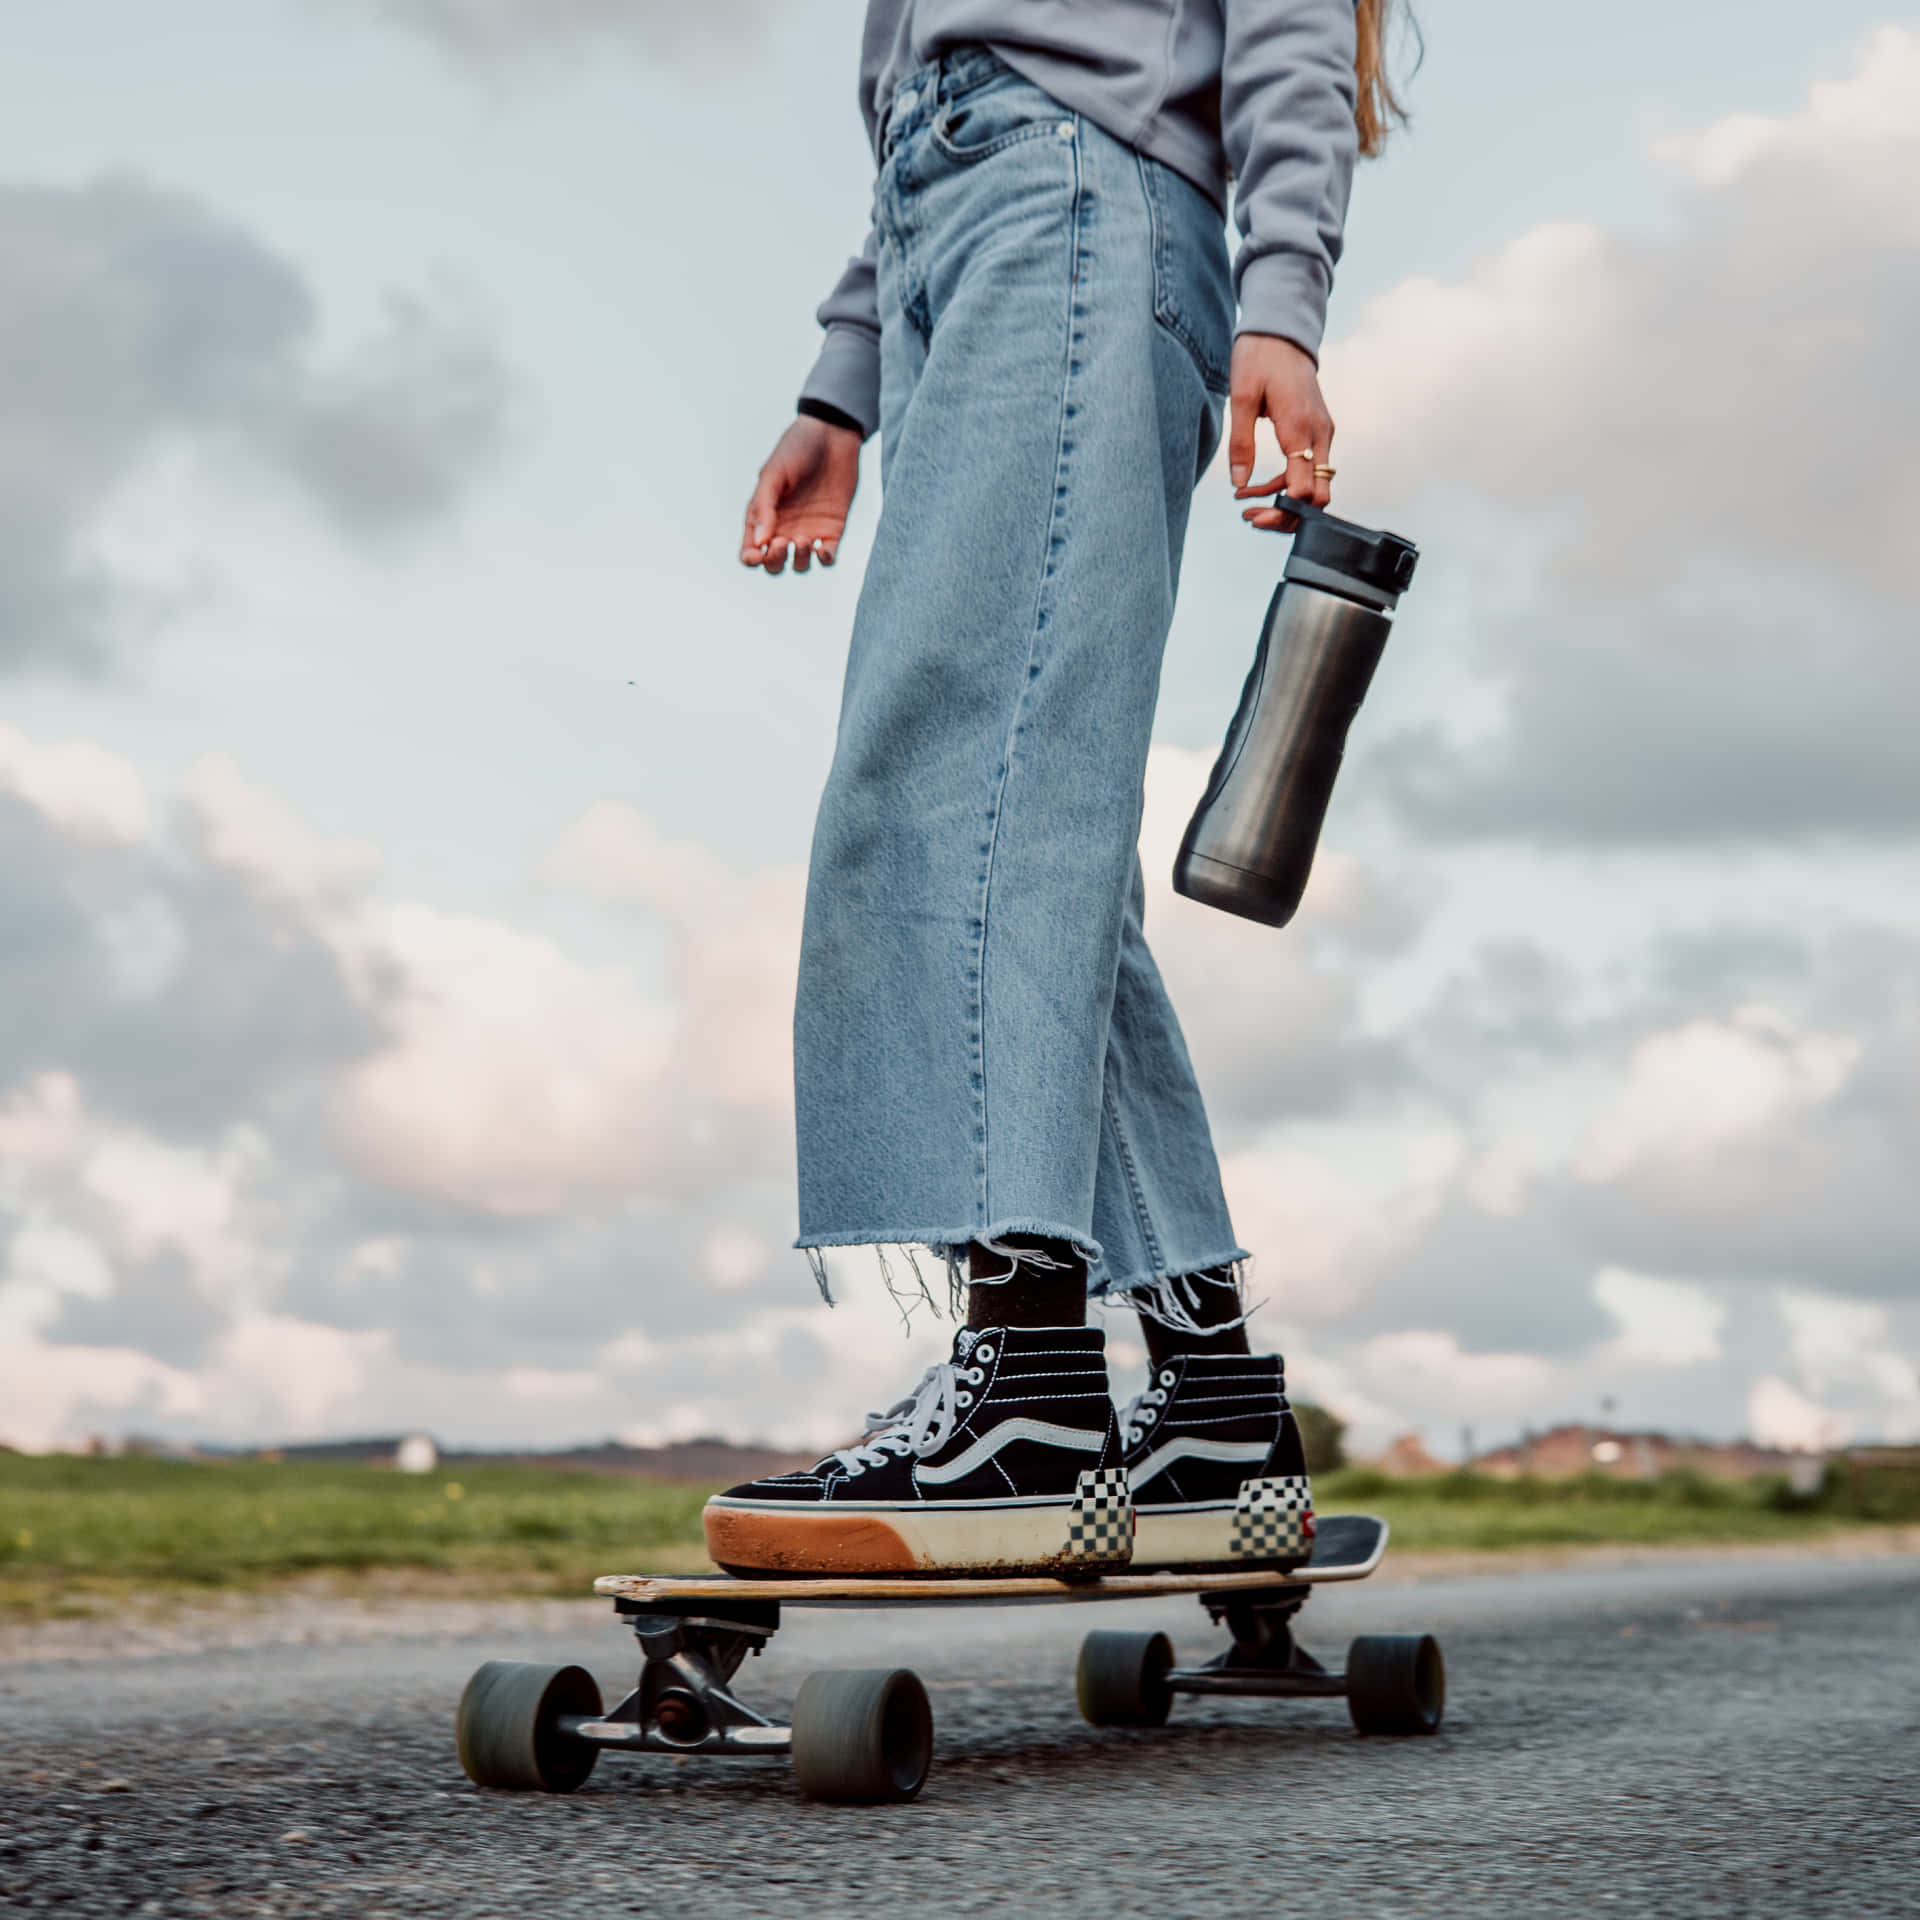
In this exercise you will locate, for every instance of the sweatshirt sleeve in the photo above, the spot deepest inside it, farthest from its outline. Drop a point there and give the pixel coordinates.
(1287, 92)
(847, 373)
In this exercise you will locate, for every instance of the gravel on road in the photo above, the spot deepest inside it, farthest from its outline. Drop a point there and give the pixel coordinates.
(1722, 1736)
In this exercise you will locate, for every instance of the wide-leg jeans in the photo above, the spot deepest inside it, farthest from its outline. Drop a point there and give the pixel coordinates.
(983, 1045)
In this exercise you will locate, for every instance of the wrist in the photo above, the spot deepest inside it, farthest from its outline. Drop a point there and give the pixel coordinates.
(829, 415)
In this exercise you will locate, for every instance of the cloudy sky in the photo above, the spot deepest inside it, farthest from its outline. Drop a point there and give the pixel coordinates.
(403, 790)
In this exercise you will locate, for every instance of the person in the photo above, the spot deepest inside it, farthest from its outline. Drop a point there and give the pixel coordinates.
(1042, 329)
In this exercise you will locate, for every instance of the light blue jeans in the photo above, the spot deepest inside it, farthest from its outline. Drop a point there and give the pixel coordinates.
(982, 1043)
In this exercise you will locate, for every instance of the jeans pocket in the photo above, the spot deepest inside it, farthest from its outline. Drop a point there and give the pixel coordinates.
(989, 118)
(1192, 276)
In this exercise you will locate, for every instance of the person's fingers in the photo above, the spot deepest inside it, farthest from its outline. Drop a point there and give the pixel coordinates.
(802, 556)
(1323, 466)
(776, 560)
(1254, 489)
(762, 509)
(829, 552)
(1300, 471)
(1270, 519)
(1246, 401)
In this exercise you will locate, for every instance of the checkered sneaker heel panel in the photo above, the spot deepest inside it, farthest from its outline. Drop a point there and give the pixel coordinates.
(1273, 1520)
(1100, 1532)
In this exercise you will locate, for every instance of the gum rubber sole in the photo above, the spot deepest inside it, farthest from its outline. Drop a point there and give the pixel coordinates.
(796, 1540)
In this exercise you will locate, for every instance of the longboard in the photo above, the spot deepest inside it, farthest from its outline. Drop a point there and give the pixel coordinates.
(867, 1734)
(1347, 1546)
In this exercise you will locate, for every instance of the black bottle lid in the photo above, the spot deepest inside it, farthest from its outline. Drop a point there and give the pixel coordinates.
(1377, 567)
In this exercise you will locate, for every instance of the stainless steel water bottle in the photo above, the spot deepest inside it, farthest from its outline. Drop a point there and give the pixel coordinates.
(1249, 846)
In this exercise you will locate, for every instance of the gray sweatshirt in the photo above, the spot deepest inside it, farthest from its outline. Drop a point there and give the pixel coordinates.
(1259, 91)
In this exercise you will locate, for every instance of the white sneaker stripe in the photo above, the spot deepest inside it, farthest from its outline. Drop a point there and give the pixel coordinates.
(1080, 1439)
(1192, 1447)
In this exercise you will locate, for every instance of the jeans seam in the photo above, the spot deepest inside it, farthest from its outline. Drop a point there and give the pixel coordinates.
(1062, 450)
(1135, 1192)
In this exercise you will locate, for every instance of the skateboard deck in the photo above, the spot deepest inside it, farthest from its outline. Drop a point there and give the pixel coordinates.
(1347, 1546)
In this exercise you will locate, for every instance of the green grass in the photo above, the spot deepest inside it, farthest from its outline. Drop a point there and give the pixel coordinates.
(1475, 1513)
(78, 1535)
(76, 1531)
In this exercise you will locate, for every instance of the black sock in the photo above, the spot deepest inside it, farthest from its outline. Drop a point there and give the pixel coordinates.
(1210, 1297)
(1015, 1292)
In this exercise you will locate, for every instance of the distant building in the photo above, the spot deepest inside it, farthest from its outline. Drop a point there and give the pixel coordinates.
(1563, 1453)
(1407, 1458)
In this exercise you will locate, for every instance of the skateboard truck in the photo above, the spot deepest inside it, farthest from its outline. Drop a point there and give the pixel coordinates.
(682, 1704)
(1264, 1658)
(1393, 1683)
(867, 1734)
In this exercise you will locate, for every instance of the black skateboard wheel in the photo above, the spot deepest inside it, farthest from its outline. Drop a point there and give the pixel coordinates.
(1122, 1679)
(864, 1735)
(508, 1727)
(1396, 1683)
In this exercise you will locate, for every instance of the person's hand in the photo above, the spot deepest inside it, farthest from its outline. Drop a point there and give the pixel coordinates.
(801, 500)
(1273, 377)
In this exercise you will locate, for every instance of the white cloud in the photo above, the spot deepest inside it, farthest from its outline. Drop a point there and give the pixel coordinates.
(279, 1374)
(130, 1197)
(1778, 1415)
(1699, 1094)
(47, 1261)
(1544, 373)
(82, 789)
(1271, 1021)
(1838, 1345)
(56, 1395)
(250, 831)
(1425, 1371)
(515, 1081)
(143, 326)
(733, 1258)
(1663, 1323)
(1707, 444)
(1500, 1175)
(1849, 123)
(1322, 1238)
(734, 953)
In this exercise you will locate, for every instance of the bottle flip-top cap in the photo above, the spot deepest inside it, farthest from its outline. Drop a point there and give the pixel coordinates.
(1329, 552)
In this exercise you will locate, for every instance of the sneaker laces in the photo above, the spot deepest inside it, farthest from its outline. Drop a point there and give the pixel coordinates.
(1142, 1411)
(914, 1426)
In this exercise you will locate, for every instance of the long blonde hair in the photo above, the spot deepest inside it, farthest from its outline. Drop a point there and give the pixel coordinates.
(1378, 106)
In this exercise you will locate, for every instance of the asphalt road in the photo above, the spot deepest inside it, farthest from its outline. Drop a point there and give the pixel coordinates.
(1721, 1737)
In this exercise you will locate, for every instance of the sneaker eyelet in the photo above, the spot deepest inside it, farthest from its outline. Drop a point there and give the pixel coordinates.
(963, 1398)
(1166, 1376)
(983, 1354)
(1148, 1417)
(977, 1375)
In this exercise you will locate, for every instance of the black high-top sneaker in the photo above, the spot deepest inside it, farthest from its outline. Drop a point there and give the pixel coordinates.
(1005, 1459)
(1216, 1468)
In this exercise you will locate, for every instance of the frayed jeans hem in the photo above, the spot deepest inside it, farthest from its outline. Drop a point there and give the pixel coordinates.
(947, 1245)
(1152, 1279)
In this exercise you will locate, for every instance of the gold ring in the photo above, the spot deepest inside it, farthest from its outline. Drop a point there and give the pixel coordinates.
(1325, 473)
(1305, 453)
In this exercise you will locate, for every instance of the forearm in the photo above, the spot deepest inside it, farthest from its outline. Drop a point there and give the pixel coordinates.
(846, 377)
